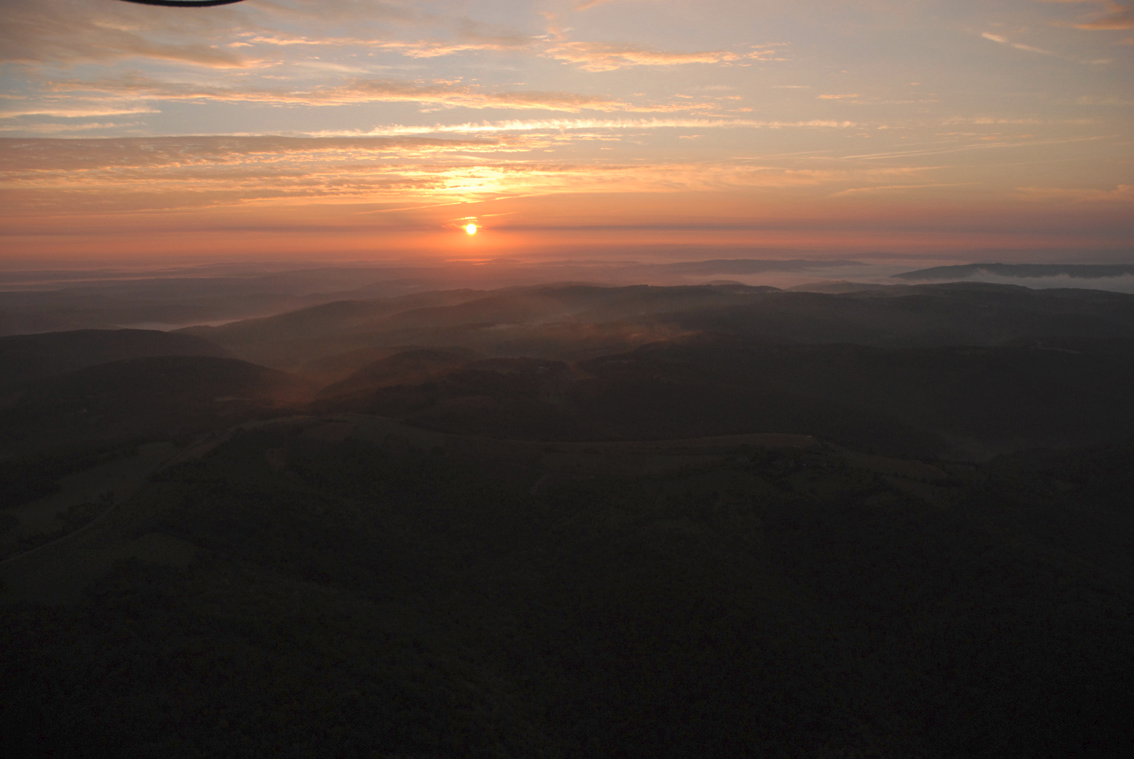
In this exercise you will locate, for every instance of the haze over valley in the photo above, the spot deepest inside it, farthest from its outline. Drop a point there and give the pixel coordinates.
(537, 518)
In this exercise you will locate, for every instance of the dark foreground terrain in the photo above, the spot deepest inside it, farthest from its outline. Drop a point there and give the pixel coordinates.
(577, 522)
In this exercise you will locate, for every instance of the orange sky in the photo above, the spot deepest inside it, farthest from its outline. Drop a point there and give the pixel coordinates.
(347, 129)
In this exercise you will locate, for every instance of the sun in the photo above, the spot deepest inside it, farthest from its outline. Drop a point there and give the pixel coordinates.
(470, 229)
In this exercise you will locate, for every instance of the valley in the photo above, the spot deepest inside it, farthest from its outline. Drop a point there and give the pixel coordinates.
(578, 521)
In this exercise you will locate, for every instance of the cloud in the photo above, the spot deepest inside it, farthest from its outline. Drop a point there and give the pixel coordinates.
(75, 111)
(556, 125)
(358, 91)
(53, 176)
(1005, 41)
(57, 128)
(472, 37)
(1120, 18)
(69, 176)
(418, 49)
(1024, 142)
(345, 10)
(39, 155)
(893, 187)
(1000, 39)
(1123, 193)
(49, 31)
(68, 33)
(1091, 100)
(601, 56)
(588, 56)
(998, 120)
(1114, 15)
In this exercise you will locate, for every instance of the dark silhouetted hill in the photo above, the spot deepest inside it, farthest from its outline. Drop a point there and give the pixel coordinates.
(970, 402)
(26, 357)
(291, 339)
(404, 368)
(577, 322)
(320, 596)
(924, 315)
(1033, 392)
(501, 397)
(525, 523)
(541, 321)
(166, 397)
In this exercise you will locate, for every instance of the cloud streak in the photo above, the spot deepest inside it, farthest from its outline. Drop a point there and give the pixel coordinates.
(1114, 15)
(587, 56)
(363, 91)
(34, 32)
(76, 111)
(410, 49)
(1000, 39)
(599, 56)
(132, 174)
(556, 125)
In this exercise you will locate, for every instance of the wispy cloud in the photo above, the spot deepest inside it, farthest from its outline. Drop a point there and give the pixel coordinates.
(1001, 39)
(1123, 193)
(63, 128)
(554, 125)
(360, 91)
(585, 55)
(24, 155)
(37, 32)
(75, 111)
(47, 31)
(410, 49)
(344, 10)
(1005, 41)
(1112, 14)
(1001, 120)
(955, 148)
(588, 56)
(1119, 19)
(897, 188)
(128, 174)
(601, 56)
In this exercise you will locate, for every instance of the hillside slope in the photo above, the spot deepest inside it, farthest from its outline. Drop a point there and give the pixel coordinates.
(573, 322)
(165, 396)
(28, 357)
(318, 594)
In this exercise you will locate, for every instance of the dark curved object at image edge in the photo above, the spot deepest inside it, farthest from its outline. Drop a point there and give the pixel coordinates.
(184, 3)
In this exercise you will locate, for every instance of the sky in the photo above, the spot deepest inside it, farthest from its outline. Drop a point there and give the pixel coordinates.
(922, 130)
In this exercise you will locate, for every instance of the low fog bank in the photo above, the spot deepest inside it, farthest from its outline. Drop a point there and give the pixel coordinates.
(173, 298)
(1111, 277)
(1120, 284)
(965, 370)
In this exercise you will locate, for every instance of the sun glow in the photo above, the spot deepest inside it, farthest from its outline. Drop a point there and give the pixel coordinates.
(470, 229)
